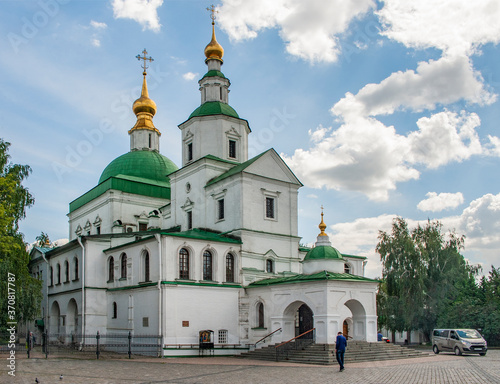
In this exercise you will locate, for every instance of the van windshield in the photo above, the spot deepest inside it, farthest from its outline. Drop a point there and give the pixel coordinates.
(469, 334)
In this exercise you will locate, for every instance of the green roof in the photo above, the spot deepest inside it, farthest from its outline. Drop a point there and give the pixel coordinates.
(129, 184)
(322, 253)
(214, 108)
(200, 234)
(235, 170)
(323, 275)
(213, 73)
(144, 164)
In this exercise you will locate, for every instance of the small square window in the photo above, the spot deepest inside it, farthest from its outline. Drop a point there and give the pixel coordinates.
(232, 149)
(145, 322)
(270, 214)
(143, 226)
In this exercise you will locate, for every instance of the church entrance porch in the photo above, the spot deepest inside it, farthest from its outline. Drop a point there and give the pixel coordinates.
(304, 321)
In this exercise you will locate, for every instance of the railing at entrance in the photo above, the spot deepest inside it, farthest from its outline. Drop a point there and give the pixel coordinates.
(298, 342)
(265, 337)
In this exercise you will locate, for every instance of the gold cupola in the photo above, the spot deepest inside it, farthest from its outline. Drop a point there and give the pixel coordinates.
(144, 108)
(322, 225)
(213, 50)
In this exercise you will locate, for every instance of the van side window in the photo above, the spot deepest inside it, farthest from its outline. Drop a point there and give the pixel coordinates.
(444, 333)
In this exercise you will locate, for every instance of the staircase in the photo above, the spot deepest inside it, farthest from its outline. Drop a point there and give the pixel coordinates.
(324, 354)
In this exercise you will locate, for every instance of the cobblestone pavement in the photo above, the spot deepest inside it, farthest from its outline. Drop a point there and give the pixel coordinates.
(435, 369)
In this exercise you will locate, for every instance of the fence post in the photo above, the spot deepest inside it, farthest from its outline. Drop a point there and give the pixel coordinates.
(129, 345)
(46, 343)
(97, 345)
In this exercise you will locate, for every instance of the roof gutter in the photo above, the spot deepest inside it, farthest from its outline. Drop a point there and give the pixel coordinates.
(79, 238)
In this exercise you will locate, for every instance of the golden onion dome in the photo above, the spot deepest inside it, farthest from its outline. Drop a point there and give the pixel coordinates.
(214, 50)
(322, 226)
(144, 104)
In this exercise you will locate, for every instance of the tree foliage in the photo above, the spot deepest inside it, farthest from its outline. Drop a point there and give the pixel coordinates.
(422, 269)
(14, 200)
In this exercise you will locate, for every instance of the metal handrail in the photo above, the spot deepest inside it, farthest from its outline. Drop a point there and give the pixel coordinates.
(286, 345)
(265, 337)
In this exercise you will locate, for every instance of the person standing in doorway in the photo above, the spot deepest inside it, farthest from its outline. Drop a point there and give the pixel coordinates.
(340, 345)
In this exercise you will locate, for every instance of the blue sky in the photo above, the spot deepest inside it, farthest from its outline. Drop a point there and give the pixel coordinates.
(380, 108)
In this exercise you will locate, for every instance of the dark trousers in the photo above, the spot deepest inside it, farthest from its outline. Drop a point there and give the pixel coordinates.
(340, 357)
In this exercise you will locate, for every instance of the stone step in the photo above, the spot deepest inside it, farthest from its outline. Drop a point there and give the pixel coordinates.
(324, 353)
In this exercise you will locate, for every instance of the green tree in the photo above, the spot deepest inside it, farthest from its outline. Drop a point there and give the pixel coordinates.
(423, 271)
(14, 200)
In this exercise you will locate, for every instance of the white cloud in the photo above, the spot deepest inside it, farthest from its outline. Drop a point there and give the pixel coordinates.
(189, 76)
(312, 196)
(494, 147)
(96, 42)
(438, 202)
(142, 11)
(454, 26)
(98, 25)
(443, 138)
(443, 81)
(366, 156)
(309, 29)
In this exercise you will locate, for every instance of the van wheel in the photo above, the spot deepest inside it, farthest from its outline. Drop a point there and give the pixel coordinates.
(435, 349)
(482, 354)
(458, 352)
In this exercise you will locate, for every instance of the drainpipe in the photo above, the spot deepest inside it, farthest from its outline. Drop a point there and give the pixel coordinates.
(79, 238)
(160, 291)
(46, 317)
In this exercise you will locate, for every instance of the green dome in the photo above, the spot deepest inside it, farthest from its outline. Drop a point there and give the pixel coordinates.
(144, 164)
(322, 253)
(214, 73)
(214, 108)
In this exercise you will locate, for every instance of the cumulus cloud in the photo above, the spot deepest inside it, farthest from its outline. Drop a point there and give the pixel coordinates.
(439, 202)
(366, 156)
(310, 29)
(189, 76)
(98, 25)
(454, 26)
(142, 11)
(443, 81)
(494, 146)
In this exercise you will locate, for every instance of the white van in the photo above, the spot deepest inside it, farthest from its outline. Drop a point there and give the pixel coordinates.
(458, 341)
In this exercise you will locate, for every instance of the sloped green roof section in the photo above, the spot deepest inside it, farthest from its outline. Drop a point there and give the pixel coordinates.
(236, 169)
(323, 275)
(200, 234)
(214, 108)
(144, 164)
(124, 183)
(213, 73)
(322, 253)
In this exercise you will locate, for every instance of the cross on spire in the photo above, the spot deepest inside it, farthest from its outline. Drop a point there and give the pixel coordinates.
(145, 58)
(213, 11)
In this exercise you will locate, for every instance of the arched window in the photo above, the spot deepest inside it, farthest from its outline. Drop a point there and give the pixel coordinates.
(260, 315)
(115, 310)
(75, 265)
(183, 264)
(66, 271)
(111, 269)
(146, 267)
(269, 266)
(347, 268)
(58, 274)
(51, 276)
(207, 265)
(230, 268)
(124, 266)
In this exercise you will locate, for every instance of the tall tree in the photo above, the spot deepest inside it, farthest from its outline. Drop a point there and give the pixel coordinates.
(14, 200)
(423, 270)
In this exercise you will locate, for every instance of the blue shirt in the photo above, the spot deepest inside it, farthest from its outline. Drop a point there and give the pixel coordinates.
(340, 343)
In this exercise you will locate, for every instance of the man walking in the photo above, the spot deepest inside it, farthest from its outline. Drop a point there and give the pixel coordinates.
(340, 345)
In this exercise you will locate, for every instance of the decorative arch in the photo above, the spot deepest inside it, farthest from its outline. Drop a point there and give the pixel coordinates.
(66, 271)
(111, 269)
(72, 317)
(230, 267)
(55, 319)
(184, 260)
(146, 265)
(123, 266)
(75, 268)
(209, 263)
(358, 330)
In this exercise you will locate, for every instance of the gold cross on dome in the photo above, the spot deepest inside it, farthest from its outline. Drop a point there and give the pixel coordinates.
(145, 58)
(214, 11)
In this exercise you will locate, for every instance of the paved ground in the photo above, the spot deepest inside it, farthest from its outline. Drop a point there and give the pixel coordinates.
(442, 368)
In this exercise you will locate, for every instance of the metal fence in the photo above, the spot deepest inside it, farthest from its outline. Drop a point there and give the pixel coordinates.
(90, 345)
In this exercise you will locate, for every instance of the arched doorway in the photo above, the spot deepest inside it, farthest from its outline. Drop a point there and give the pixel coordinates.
(356, 325)
(72, 318)
(345, 329)
(304, 321)
(55, 316)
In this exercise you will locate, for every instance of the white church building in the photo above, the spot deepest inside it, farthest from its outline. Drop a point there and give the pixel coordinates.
(214, 244)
